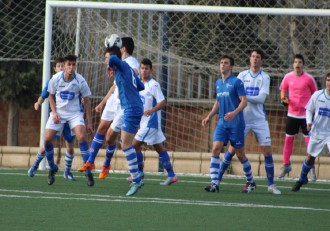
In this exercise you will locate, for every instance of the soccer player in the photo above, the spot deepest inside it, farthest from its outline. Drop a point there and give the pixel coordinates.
(300, 86)
(67, 133)
(256, 84)
(150, 131)
(113, 112)
(319, 104)
(229, 104)
(67, 87)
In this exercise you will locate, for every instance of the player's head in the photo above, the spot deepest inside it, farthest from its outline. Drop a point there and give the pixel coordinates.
(127, 45)
(256, 58)
(114, 50)
(327, 82)
(146, 68)
(298, 64)
(226, 64)
(70, 62)
(58, 64)
(107, 54)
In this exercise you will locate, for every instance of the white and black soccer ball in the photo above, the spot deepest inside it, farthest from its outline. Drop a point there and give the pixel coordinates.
(113, 40)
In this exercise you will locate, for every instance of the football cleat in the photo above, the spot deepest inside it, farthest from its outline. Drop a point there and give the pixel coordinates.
(286, 169)
(249, 187)
(134, 188)
(86, 166)
(273, 189)
(170, 180)
(104, 172)
(68, 175)
(296, 187)
(32, 171)
(90, 179)
(51, 175)
(212, 188)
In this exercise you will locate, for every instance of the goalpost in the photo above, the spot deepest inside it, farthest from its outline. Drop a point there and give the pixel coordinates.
(185, 43)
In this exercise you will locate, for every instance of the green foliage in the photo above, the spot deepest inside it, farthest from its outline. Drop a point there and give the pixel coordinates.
(19, 82)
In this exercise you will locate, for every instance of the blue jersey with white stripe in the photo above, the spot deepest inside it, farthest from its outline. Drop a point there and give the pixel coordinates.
(228, 93)
(128, 84)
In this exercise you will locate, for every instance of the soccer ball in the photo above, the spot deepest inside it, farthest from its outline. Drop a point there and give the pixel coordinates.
(113, 40)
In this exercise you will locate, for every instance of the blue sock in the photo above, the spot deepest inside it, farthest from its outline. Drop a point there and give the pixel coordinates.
(247, 170)
(110, 150)
(225, 164)
(39, 158)
(139, 157)
(50, 156)
(68, 161)
(84, 153)
(269, 167)
(95, 147)
(132, 163)
(214, 169)
(166, 162)
(304, 171)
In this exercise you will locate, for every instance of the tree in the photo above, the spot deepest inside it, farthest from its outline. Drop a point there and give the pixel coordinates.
(19, 80)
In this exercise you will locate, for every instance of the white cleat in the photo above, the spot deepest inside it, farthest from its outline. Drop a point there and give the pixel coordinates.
(272, 189)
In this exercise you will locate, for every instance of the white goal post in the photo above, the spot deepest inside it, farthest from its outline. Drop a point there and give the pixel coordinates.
(194, 98)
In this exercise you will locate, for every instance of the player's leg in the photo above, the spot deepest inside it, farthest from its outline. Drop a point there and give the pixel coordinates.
(292, 128)
(110, 139)
(226, 160)
(219, 140)
(69, 138)
(131, 120)
(39, 157)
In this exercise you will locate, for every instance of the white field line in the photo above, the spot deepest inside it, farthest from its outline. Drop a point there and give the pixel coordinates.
(80, 175)
(108, 198)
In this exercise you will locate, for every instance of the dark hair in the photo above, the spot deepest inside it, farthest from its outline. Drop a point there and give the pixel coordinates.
(259, 52)
(147, 62)
(231, 59)
(107, 50)
(327, 75)
(70, 58)
(114, 50)
(58, 60)
(128, 43)
(299, 56)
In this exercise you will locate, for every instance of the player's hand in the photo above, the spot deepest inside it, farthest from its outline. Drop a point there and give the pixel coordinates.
(285, 101)
(56, 118)
(90, 129)
(36, 106)
(309, 127)
(147, 113)
(205, 121)
(98, 108)
(229, 116)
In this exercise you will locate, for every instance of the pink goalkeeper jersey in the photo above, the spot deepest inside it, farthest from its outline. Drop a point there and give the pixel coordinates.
(300, 89)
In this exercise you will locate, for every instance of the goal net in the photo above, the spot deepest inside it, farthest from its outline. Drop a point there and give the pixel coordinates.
(185, 39)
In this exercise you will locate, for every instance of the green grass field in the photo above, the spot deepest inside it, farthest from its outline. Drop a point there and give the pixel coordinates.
(30, 204)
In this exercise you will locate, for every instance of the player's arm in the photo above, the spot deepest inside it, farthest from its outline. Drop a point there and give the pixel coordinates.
(88, 108)
(231, 115)
(214, 111)
(99, 107)
(258, 99)
(309, 119)
(44, 95)
(158, 106)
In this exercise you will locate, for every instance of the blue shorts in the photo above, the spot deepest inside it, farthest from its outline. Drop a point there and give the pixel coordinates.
(234, 135)
(131, 120)
(68, 135)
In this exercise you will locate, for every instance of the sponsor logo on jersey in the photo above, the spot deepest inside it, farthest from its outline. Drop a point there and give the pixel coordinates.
(252, 91)
(223, 94)
(324, 112)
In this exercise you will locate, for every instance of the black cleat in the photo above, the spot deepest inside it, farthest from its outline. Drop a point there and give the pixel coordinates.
(296, 187)
(90, 179)
(212, 188)
(51, 175)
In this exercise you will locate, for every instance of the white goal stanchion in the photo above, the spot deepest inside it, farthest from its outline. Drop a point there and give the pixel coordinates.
(185, 43)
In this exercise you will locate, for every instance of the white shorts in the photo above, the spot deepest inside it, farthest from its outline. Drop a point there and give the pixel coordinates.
(108, 113)
(73, 121)
(261, 132)
(150, 136)
(117, 122)
(316, 146)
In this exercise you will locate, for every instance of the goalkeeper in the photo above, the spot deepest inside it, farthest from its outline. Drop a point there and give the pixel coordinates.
(299, 86)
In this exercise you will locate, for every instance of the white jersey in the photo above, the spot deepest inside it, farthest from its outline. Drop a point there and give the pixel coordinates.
(68, 94)
(151, 96)
(133, 63)
(319, 103)
(255, 85)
